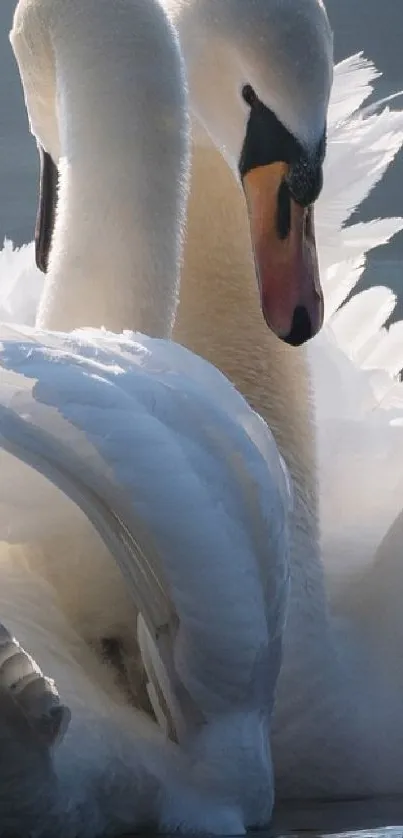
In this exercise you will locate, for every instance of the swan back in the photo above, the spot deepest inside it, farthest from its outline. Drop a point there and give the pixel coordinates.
(185, 486)
(116, 127)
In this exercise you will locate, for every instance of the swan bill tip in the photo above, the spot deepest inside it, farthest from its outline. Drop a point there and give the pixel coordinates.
(301, 328)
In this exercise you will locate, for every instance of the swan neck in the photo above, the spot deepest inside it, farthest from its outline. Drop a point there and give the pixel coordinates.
(219, 317)
(116, 245)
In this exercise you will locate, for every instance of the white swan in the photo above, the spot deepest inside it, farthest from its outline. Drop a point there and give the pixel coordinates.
(306, 717)
(179, 476)
(330, 711)
(107, 611)
(117, 311)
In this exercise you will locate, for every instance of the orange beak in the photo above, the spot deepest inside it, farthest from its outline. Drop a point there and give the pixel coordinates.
(283, 240)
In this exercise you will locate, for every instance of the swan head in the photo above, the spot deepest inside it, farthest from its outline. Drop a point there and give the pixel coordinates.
(260, 75)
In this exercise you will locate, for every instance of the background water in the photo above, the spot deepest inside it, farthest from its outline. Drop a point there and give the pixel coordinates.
(374, 26)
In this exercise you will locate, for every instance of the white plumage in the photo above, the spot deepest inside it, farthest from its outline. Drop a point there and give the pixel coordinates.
(179, 476)
(169, 464)
(356, 360)
(183, 482)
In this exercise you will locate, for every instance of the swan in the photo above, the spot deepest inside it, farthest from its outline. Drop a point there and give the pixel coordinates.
(337, 712)
(340, 703)
(64, 305)
(105, 614)
(175, 474)
(80, 288)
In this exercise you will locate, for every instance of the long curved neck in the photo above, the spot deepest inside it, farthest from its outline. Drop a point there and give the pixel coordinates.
(116, 244)
(219, 317)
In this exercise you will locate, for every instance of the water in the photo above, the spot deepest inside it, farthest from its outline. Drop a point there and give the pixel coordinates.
(382, 818)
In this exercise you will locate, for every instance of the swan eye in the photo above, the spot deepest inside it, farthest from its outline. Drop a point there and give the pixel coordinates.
(249, 95)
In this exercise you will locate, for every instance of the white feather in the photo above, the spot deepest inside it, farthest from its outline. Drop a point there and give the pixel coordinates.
(356, 360)
(157, 448)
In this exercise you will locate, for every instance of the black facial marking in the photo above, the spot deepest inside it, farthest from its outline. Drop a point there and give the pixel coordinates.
(249, 95)
(268, 141)
(45, 219)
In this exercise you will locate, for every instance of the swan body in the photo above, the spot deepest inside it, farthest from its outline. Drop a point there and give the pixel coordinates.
(165, 476)
(335, 698)
(108, 770)
(104, 414)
